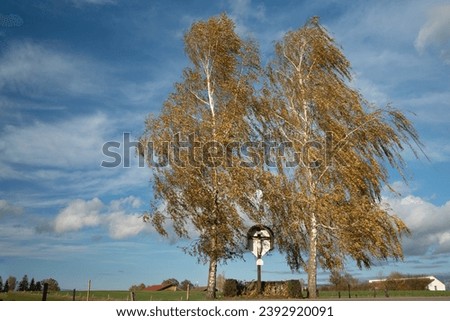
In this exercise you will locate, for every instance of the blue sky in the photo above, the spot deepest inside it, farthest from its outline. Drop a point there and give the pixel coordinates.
(75, 74)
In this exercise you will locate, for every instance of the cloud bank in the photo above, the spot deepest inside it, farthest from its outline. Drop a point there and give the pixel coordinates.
(436, 32)
(6, 208)
(120, 217)
(429, 225)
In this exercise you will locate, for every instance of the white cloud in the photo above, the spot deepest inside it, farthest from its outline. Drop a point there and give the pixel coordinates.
(79, 214)
(438, 150)
(70, 143)
(143, 93)
(17, 233)
(436, 32)
(45, 76)
(371, 91)
(430, 107)
(123, 219)
(120, 217)
(6, 208)
(429, 224)
(36, 70)
(132, 201)
(245, 9)
(242, 11)
(400, 187)
(20, 240)
(122, 225)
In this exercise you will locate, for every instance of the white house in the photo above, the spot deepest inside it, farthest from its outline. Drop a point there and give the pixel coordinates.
(434, 285)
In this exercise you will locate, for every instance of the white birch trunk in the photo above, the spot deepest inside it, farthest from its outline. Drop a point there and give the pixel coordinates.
(211, 290)
(312, 261)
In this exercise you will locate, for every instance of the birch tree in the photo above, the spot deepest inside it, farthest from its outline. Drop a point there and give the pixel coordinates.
(193, 146)
(328, 207)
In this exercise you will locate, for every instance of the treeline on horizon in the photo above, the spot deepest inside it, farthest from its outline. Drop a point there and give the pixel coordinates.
(24, 285)
(395, 281)
(338, 281)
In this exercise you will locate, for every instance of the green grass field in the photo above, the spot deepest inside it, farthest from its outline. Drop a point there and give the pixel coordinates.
(381, 294)
(200, 296)
(105, 296)
(139, 296)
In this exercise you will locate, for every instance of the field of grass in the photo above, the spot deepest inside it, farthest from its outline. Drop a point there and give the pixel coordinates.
(200, 296)
(105, 296)
(139, 296)
(381, 294)
(28, 296)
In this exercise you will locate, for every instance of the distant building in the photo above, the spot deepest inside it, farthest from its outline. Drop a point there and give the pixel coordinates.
(161, 287)
(433, 285)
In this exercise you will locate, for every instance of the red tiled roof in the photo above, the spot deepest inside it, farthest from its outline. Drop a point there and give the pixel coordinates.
(157, 287)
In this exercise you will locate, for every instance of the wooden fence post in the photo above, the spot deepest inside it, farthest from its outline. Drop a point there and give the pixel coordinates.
(88, 291)
(44, 292)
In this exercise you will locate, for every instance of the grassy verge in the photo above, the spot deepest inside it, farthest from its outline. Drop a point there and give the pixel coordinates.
(29, 296)
(105, 296)
(139, 296)
(382, 294)
(201, 296)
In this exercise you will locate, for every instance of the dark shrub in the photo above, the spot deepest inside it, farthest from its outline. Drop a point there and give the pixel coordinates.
(231, 288)
(294, 289)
